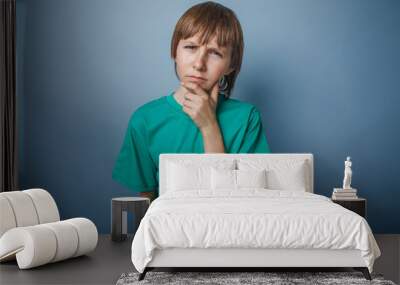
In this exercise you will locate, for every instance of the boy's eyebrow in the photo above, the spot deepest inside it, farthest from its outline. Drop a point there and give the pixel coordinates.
(191, 42)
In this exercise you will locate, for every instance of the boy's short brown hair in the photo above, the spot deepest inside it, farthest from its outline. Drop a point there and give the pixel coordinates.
(212, 19)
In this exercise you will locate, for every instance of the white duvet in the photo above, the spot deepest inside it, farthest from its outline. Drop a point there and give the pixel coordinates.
(251, 218)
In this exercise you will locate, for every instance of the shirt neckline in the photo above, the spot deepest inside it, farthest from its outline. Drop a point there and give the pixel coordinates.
(171, 100)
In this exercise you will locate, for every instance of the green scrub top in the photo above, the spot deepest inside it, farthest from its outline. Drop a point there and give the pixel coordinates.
(161, 126)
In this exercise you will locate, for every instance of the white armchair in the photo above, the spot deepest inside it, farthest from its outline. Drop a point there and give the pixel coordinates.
(32, 233)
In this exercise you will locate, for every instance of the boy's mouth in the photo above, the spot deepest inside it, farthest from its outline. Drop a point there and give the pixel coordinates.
(196, 79)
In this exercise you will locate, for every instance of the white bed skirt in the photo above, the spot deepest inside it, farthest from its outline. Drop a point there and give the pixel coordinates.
(236, 257)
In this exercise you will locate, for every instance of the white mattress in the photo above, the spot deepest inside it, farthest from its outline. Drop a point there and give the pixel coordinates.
(251, 218)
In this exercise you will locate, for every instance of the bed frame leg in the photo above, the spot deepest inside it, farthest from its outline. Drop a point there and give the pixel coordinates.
(364, 271)
(143, 274)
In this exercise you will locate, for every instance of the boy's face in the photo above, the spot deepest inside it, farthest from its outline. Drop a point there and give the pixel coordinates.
(208, 62)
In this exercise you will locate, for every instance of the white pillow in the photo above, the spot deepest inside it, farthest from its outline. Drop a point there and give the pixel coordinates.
(290, 179)
(223, 179)
(251, 178)
(237, 179)
(193, 174)
(282, 174)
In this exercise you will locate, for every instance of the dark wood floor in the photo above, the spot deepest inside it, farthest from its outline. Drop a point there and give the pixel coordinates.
(111, 259)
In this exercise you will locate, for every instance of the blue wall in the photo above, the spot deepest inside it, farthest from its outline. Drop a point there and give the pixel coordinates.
(324, 74)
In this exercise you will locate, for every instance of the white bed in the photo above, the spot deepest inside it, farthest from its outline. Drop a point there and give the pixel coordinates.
(249, 227)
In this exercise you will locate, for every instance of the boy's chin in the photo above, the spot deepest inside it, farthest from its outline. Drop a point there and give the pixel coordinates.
(202, 85)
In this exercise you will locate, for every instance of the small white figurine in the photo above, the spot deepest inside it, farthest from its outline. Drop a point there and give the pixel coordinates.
(347, 174)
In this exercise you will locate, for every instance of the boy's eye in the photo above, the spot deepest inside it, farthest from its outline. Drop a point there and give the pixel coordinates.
(213, 51)
(217, 53)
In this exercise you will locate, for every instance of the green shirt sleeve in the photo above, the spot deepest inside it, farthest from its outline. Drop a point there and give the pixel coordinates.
(254, 139)
(134, 167)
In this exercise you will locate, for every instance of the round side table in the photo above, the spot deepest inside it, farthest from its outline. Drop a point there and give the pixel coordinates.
(119, 214)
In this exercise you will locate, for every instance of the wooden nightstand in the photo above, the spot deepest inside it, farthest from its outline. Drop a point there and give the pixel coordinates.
(358, 206)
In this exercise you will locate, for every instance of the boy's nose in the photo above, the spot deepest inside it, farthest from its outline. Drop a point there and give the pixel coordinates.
(199, 63)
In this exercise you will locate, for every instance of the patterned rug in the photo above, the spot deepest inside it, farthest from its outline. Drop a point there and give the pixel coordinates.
(270, 278)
